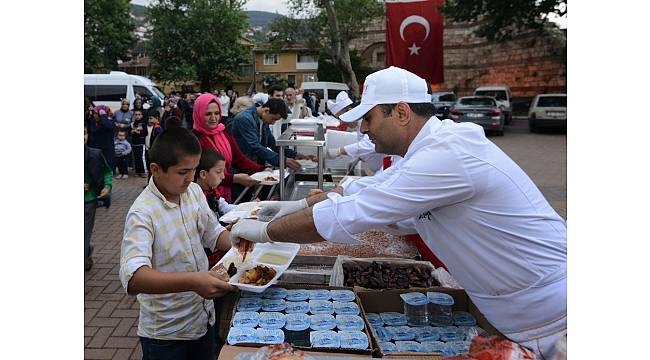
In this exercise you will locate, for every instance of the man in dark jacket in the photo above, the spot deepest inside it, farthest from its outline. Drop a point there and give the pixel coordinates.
(102, 131)
(253, 134)
(138, 135)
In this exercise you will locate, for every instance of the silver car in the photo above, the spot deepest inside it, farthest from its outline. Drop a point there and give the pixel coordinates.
(481, 110)
(547, 110)
(443, 101)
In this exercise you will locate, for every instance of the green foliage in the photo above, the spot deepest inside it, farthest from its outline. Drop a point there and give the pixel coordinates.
(197, 40)
(499, 20)
(108, 34)
(327, 71)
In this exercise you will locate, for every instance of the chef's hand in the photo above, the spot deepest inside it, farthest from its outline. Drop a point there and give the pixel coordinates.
(251, 230)
(208, 285)
(282, 208)
(244, 179)
(333, 153)
(103, 194)
(293, 164)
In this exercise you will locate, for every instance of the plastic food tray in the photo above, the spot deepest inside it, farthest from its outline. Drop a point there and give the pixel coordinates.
(243, 210)
(253, 259)
(263, 174)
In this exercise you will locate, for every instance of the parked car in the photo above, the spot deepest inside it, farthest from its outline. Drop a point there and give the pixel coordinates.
(110, 89)
(503, 96)
(443, 101)
(481, 110)
(547, 110)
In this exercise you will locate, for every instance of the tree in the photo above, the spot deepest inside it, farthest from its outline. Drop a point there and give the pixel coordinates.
(108, 34)
(197, 40)
(329, 25)
(327, 71)
(500, 19)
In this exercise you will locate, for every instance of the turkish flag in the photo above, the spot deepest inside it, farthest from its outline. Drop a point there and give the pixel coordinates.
(414, 37)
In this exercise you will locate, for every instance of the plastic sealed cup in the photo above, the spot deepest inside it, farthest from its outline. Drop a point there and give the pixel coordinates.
(381, 333)
(297, 295)
(401, 333)
(471, 331)
(426, 333)
(463, 318)
(246, 319)
(440, 308)
(270, 336)
(273, 304)
(408, 346)
(342, 295)
(460, 347)
(249, 294)
(295, 307)
(374, 319)
(319, 294)
(387, 347)
(349, 322)
(321, 307)
(324, 339)
(322, 322)
(353, 340)
(249, 304)
(416, 308)
(238, 335)
(272, 320)
(451, 334)
(346, 308)
(437, 347)
(391, 318)
(297, 322)
(275, 293)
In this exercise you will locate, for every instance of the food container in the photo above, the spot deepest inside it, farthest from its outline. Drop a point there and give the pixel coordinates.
(353, 340)
(273, 305)
(349, 322)
(270, 336)
(416, 308)
(272, 320)
(463, 318)
(297, 307)
(387, 347)
(440, 308)
(426, 333)
(238, 335)
(391, 318)
(297, 295)
(324, 339)
(342, 295)
(322, 322)
(382, 334)
(471, 331)
(246, 319)
(451, 334)
(249, 304)
(247, 210)
(401, 333)
(374, 319)
(248, 294)
(408, 346)
(321, 307)
(460, 347)
(319, 294)
(297, 322)
(438, 347)
(346, 308)
(275, 293)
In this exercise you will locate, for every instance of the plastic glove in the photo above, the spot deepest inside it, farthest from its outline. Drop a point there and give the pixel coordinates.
(282, 208)
(251, 230)
(333, 153)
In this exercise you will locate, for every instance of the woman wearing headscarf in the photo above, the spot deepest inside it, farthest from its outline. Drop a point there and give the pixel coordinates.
(137, 105)
(102, 128)
(212, 135)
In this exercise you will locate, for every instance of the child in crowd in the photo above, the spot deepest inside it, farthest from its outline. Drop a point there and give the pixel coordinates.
(162, 258)
(97, 185)
(138, 135)
(122, 150)
(209, 175)
(153, 130)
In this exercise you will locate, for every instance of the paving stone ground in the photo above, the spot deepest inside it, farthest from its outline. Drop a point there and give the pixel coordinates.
(111, 317)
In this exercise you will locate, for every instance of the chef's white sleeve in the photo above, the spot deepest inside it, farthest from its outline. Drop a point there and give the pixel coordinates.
(420, 185)
(404, 227)
(361, 148)
(362, 183)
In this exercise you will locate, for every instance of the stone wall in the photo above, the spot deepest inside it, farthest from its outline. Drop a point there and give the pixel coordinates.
(529, 64)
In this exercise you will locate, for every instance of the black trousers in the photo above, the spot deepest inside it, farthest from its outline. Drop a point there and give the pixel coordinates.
(138, 159)
(122, 164)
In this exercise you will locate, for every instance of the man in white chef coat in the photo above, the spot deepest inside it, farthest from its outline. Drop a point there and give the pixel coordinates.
(473, 206)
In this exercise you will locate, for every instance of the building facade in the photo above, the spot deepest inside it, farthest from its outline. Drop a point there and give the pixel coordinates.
(294, 65)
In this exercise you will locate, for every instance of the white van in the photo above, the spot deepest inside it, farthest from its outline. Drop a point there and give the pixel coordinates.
(503, 97)
(325, 90)
(110, 89)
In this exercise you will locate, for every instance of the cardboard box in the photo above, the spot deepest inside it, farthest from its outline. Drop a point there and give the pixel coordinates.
(377, 301)
(366, 330)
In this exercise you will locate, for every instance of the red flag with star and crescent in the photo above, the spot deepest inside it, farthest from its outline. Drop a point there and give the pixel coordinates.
(414, 37)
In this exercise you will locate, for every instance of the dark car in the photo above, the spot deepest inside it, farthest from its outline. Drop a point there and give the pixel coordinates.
(481, 110)
(443, 101)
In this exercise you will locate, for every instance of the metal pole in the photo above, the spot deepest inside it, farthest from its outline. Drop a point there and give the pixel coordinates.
(319, 155)
(282, 182)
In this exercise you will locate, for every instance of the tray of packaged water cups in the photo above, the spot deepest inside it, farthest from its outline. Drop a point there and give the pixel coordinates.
(427, 325)
(311, 318)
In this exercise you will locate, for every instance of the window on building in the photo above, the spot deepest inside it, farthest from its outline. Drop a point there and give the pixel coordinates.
(308, 77)
(380, 56)
(271, 59)
(291, 79)
(307, 58)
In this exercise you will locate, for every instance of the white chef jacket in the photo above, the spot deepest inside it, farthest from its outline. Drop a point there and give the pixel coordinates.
(365, 150)
(478, 212)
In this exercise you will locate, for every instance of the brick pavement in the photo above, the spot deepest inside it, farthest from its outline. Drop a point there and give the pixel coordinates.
(110, 316)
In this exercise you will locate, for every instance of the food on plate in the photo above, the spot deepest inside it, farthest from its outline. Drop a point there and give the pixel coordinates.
(221, 272)
(313, 158)
(270, 178)
(232, 270)
(254, 212)
(313, 192)
(258, 276)
(274, 259)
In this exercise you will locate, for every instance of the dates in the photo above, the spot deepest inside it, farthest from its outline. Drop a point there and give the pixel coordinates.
(387, 276)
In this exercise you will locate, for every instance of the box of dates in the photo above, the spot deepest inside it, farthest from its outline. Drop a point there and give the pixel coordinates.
(382, 273)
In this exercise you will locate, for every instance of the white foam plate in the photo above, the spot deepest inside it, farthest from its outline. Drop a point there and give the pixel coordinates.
(253, 259)
(307, 164)
(263, 174)
(243, 210)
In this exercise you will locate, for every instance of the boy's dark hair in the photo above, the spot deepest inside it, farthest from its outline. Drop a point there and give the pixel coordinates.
(153, 113)
(274, 88)
(121, 131)
(171, 145)
(209, 158)
(276, 107)
(172, 122)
